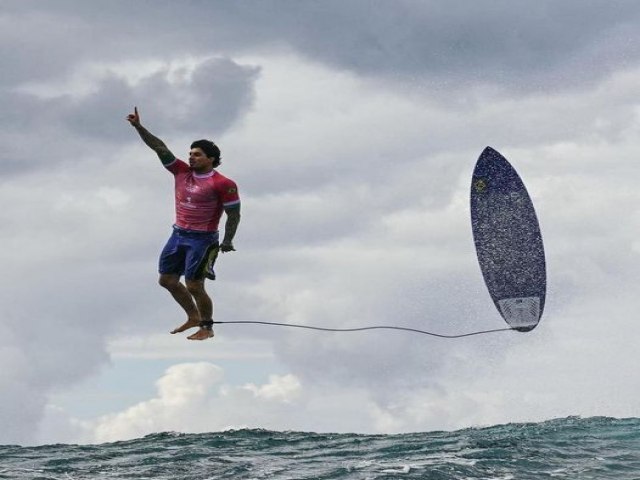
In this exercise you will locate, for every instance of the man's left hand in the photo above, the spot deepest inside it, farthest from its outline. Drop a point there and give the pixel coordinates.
(227, 247)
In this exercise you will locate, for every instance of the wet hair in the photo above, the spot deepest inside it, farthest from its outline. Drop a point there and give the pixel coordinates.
(210, 149)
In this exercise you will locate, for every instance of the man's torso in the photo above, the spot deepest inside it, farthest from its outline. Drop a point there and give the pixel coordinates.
(200, 199)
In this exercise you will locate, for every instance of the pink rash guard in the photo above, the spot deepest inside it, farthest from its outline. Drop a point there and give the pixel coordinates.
(201, 198)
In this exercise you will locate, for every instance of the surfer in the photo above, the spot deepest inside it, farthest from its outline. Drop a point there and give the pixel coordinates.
(201, 195)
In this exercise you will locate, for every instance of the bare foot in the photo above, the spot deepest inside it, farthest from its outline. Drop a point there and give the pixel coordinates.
(186, 326)
(201, 334)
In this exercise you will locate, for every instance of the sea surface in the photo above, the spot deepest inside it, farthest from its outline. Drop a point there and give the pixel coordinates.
(572, 448)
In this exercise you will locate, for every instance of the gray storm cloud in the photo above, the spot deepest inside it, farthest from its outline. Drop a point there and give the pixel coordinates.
(516, 45)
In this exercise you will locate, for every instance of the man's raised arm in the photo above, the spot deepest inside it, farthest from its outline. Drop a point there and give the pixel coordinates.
(153, 142)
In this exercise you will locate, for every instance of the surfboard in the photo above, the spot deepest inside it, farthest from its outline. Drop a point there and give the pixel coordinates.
(508, 241)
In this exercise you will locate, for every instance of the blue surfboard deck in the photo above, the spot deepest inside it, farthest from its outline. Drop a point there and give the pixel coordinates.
(508, 241)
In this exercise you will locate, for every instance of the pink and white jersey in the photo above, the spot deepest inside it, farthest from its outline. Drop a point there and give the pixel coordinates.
(200, 199)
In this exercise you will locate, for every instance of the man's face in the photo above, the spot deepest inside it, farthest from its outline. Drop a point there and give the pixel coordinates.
(198, 161)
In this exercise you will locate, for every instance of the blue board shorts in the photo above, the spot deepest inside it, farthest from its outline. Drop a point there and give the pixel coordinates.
(190, 253)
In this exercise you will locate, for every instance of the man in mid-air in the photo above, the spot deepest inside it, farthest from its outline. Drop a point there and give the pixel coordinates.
(201, 195)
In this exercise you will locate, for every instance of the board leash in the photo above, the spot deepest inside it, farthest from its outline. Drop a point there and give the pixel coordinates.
(360, 329)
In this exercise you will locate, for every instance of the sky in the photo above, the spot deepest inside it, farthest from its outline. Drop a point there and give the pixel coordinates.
(352, 129)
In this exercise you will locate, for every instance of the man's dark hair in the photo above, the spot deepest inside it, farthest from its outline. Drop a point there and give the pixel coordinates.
(210, 149)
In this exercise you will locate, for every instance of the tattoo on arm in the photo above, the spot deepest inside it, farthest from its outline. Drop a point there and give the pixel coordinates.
(155, 144)
(231, 225)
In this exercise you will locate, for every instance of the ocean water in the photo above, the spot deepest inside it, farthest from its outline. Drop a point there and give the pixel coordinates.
(571, 448)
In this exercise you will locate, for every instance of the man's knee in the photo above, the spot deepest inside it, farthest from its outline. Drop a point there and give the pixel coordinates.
(195, 287)
(170, 282)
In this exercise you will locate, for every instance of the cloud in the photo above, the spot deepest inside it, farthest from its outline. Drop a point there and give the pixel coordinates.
(193, 397)
(203, 100)
(37, 363)
(51, 52)
(516, 46)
